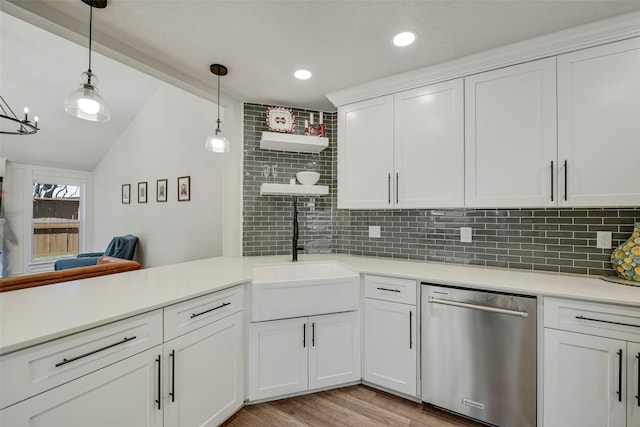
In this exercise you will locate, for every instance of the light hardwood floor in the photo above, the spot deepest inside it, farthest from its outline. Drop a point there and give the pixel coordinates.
(349, 406)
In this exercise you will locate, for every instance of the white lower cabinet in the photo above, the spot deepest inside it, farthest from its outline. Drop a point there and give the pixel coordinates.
(123, 394)
(122, 374)
(390, 334)
(591, 368)
(203, 374)
(390, 357)
(294, 355)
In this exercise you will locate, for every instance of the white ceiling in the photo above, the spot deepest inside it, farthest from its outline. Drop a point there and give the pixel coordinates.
(262, 42)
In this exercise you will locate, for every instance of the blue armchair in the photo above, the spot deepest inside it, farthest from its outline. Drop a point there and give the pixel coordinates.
(123, 247)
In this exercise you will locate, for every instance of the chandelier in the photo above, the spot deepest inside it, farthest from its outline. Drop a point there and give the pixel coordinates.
(9, 118)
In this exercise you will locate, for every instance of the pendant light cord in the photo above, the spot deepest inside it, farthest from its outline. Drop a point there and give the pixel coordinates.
(218, 121)
(90, 35)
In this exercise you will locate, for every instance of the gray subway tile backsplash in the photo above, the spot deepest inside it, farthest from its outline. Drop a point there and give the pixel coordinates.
(557, 240)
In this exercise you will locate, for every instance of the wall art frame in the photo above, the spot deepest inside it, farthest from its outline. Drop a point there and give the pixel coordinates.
(142, 192)
(161, 190)
(184, 188)
(126, 194)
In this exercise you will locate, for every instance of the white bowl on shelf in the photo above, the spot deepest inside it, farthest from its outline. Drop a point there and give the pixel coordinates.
(307, 177)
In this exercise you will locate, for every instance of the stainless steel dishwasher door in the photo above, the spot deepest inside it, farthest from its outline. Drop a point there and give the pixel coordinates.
(479, 354)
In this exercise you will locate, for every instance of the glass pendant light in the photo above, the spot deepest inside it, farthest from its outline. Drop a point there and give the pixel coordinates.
(85, 102)
(216, 142)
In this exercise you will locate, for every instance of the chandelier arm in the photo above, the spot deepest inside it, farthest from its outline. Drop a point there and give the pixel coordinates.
(7, 104)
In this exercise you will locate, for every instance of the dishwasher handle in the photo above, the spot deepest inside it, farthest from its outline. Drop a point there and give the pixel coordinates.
(432, 300)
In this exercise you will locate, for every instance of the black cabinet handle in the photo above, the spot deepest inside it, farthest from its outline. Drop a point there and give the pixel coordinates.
(388, 290)
(619, 392)
(410, 329)
(304, 335)
(159, 399)
(565, 180)
(389, 187)
(73, 359)
(313, 334)
(552, 180)
(211, 309)
(607, 321)
(397, 179)
(173, 375)
(638, 395)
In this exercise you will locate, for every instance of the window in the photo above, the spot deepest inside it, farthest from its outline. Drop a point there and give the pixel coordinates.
(56, 220)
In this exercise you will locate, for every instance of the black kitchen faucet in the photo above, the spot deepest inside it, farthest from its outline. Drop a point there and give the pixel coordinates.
(294, 240)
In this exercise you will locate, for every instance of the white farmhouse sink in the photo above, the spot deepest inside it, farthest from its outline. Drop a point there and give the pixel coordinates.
(302, 289)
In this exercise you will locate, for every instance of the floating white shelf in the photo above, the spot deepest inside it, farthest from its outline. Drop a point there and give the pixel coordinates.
(270, 189)
(291, 142)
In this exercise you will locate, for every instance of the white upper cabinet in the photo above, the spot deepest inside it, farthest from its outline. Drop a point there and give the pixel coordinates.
(429, 146)
(510, 136)
(599, 125)
(365, 154)
(404, 150)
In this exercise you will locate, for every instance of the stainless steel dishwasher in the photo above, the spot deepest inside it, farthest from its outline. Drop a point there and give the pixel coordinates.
(479, 354)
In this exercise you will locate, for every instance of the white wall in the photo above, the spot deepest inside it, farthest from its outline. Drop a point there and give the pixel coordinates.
(165, 140)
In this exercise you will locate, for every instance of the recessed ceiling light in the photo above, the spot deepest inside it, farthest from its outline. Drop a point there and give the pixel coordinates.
(302, 74)
(404, 39)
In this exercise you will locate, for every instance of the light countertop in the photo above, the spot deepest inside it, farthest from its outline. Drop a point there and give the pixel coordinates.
(36, 315)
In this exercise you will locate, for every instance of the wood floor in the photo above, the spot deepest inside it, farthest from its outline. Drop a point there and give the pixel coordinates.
(350, 406)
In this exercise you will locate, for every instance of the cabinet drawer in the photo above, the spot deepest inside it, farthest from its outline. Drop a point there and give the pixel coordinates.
(390, 289)
(40, 368)
(611, 321)
(195, 313)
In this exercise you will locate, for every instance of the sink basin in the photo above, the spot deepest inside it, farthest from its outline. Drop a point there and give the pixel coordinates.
(302, 289)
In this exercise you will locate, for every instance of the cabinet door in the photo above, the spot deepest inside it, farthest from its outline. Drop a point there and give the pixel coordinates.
(429, 146)
(334, 354)
(122, 394)
(633, 381)
(390, 358)
(365, 154)
(510, 136)
(204, 374)
(598, 126)
(581, 380)
(278, 357)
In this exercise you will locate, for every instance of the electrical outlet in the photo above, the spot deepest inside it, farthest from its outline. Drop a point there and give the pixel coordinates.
(466, 234)
(374, 231)
(604, 240)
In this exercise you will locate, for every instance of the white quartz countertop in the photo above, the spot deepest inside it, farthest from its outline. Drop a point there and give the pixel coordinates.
(36, 315)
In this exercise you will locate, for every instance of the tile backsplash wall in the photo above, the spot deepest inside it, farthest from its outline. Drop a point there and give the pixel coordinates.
(267, 220)
(559, 240)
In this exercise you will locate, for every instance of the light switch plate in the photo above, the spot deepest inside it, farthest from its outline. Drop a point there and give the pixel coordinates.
(466, 234)
(374, 231)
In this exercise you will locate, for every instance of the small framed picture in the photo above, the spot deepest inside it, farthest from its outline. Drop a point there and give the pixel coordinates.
(161, 190)
(184, 188)
(142, 192)
(126, 194)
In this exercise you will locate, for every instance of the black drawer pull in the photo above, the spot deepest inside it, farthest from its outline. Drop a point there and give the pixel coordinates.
(607, 321)
(173, 375)
(619, 392)
(159, 399)
(638, 384)
(410, 329)
(388, 290)
(211, 309)
(65, 361)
